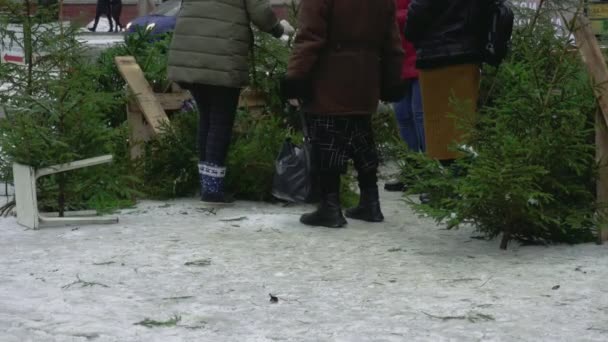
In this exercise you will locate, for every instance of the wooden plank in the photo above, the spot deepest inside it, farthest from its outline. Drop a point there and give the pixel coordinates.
(74, 165)
(24, 178)
(601, 143)
(139, 131)
(594, 60)
(146, 99)
(251, 99)
(173, 101)
(75, 213)
(70, 221)
(175, 88)
(596, 66)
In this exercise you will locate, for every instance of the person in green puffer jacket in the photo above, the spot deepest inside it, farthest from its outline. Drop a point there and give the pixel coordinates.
(209, 56)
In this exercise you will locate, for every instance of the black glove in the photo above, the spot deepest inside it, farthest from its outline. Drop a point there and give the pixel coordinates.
(394, 93)
(278, 30)
(296, 89)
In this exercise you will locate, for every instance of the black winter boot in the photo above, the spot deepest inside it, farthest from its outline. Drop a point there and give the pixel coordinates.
(395, 185)
(328, 214)
(425, 198)
(369, 207)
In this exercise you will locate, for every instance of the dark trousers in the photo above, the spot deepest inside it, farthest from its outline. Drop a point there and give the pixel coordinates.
(116, 9)
(338, 139)
(217, 109)
(103, 8)
(410, 117)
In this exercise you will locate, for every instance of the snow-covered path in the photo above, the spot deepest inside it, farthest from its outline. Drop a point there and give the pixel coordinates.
(405, 280)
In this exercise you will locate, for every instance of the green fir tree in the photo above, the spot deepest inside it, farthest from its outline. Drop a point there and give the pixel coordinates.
(54, 111)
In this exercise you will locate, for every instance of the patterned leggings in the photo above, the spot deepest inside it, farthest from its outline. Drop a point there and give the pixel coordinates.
(338, 139)
(217, 109)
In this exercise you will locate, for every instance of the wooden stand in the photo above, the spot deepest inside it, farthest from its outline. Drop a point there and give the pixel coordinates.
(596, 65)
(147, 110)
(27, 204)
(145, 114)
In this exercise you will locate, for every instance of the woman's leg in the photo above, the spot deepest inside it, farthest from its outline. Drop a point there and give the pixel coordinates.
(98, 13)
(202, 105)
(405, 120)
(417, 115)
(217, 109)
(365, 157)
(116, 13)
(329, 157)
(223, 102)
(109, 15)
(411, 122)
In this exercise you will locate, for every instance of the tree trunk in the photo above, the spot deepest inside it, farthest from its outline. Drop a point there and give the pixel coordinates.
(28, 47)
(61, 197)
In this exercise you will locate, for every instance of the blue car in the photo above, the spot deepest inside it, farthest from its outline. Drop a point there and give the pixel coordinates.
(161, 20)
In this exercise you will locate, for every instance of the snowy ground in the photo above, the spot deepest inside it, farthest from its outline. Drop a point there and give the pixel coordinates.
(405, 280)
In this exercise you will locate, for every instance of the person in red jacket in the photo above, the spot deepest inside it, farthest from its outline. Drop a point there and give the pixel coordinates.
(408, 111)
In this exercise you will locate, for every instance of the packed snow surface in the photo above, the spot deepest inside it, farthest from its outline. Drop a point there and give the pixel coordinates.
(177, 271)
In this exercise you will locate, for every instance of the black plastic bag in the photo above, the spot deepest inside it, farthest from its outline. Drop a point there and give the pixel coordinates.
(293, 177)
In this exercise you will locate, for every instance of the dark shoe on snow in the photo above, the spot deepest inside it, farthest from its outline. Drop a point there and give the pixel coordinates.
(395, 186)
(424, 198)
(217, 199)
(369, 207)
(366, 213)
(328, 214)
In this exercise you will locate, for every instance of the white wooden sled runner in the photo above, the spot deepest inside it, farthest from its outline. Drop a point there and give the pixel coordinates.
(27, 204)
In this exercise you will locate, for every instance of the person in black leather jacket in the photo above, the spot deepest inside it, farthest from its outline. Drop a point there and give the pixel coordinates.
(447, 35)
(445, 32)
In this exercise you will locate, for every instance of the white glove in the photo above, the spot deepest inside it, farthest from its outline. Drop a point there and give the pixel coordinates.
(287, 28)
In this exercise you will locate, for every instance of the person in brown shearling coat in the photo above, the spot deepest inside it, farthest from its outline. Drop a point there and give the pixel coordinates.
(347, 55)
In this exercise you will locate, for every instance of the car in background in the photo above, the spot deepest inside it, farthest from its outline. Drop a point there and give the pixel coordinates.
(161, 20)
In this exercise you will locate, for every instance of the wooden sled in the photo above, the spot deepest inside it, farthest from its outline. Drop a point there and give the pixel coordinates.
(25, 178)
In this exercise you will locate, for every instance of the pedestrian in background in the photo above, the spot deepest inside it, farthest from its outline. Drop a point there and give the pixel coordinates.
(102, 8)
(116, 10)
(446, 35)
(408, 111)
